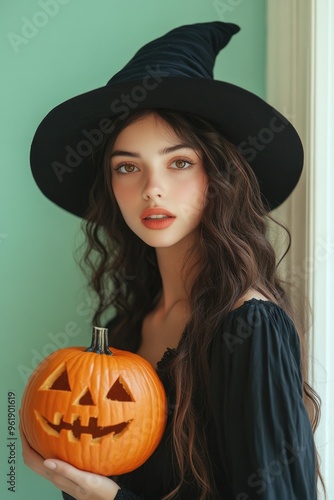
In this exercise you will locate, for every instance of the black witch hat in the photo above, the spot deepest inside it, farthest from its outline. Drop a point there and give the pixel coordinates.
(173, 72)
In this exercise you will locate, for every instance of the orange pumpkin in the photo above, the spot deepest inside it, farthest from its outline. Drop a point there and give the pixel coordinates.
(102, 411)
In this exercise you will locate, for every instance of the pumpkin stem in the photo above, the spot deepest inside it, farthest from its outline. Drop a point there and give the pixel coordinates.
(99, 343)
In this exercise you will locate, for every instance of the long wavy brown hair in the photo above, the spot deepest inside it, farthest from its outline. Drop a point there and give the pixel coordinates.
(232, 254)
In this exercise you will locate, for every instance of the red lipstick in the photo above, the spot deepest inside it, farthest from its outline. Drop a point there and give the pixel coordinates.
(157, 218)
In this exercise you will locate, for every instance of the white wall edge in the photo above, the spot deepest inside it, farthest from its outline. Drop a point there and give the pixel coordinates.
(300, 83)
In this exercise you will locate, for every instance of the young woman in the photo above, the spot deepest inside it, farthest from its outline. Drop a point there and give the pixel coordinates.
(176, 223)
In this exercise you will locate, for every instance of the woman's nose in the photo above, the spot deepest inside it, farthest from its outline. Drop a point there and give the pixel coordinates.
(153, 188)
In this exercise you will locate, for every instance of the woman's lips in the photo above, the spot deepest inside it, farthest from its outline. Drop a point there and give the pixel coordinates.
(157, 218)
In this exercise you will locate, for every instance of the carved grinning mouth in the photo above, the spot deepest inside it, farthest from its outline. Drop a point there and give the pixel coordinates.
(92, 428)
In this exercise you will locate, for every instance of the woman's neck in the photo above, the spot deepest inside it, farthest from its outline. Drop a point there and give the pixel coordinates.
(174, 264)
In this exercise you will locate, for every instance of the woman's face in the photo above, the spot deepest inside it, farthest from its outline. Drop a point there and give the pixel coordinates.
(158, 181)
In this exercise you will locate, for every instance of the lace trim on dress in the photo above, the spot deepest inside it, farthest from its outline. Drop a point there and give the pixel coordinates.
(168, 355)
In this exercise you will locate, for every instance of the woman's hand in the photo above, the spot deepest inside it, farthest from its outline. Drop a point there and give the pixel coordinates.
(77, 483)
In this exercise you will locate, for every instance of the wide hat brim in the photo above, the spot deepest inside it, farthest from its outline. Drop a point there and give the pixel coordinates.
(61, 151)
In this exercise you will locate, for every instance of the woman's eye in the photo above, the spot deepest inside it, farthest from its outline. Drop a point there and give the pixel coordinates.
(126, 168)
(181, 164)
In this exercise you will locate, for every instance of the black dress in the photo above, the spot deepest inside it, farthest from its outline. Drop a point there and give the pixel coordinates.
(260, 438)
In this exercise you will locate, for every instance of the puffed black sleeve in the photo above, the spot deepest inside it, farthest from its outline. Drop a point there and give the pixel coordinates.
(264, 436)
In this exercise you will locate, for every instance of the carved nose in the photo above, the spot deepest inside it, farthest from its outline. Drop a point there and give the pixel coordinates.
(86, 399)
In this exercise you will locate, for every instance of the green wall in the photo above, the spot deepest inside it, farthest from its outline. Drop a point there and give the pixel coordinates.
(76, 47)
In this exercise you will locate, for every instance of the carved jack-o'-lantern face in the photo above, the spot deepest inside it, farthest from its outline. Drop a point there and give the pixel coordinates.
(116, 393)
(101, 413)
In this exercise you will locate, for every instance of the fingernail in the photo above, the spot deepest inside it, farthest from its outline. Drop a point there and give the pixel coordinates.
(49, 465)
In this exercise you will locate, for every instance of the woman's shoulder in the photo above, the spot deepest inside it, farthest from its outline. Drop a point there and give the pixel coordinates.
(257, 337)
(256, 320)
(254, 302)
(248, 296)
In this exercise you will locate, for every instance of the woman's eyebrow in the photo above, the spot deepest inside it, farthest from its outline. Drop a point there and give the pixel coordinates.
(163, 151)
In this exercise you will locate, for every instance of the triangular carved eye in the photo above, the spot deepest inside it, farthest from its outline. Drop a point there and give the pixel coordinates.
(61, 383)
(118, 392)
(86, 399)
